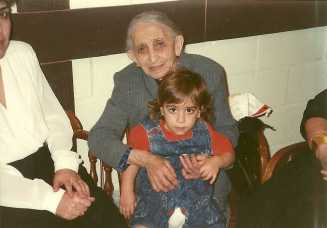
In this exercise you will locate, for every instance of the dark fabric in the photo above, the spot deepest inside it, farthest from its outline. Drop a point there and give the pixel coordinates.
(245, 174)
(296, 196)
(316, 107)
(102, 212)
(123, 164)
(37, 165)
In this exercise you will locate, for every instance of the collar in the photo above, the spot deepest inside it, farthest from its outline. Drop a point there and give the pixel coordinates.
(169, 135)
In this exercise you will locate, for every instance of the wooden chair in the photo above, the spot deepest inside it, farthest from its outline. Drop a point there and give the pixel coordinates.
(281, 158)
(105, 170)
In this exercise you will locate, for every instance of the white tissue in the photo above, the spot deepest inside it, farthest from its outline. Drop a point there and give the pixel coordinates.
(177, 219)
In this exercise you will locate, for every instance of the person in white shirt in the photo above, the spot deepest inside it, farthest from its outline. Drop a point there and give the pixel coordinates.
(42, 183)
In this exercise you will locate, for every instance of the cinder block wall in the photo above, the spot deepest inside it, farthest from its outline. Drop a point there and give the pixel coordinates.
(283, 70)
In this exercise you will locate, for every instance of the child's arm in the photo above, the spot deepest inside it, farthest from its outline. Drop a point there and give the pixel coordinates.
(211, 165)
(127, 194)
(223, 156)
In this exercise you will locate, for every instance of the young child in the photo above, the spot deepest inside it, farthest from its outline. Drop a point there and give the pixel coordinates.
(178, 125)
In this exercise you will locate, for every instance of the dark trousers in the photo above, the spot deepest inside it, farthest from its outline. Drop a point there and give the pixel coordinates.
(296, 196)
(102, 213)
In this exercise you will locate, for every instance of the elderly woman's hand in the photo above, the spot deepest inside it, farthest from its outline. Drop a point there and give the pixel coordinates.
(161, 174)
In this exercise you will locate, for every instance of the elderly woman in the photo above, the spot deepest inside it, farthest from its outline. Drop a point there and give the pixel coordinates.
(155, 45)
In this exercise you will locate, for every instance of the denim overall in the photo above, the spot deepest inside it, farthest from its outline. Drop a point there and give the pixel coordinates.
(193, 196)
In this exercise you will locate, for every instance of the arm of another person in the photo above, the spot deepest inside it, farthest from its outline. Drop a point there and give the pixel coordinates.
(161, 174)
(314, 128)
(217, 86)
(19, 192)
(105, 140)
(105, 137)
(59, 138)
(15, 190)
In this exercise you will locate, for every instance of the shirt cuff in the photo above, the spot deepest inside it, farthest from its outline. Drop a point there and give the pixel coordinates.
(123, 163)
(66, 160)
(52, 200)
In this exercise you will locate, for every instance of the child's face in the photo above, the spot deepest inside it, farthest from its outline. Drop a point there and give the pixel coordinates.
(180, 118)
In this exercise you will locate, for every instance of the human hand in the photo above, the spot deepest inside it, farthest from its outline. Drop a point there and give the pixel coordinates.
(72, 182)
(161, 174)
(210, 169)
(191, 165)
(321, 154)
(73, 206)
(127, 203)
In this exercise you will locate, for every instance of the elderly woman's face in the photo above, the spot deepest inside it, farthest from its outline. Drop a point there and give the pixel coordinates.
(5, 27)
(154, 49)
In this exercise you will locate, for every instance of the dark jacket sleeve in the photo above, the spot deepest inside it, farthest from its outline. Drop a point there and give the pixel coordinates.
(224, 121)
(105, 138)
(316, 107)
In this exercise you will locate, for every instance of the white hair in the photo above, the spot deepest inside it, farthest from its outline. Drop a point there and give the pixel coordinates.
(150, 16)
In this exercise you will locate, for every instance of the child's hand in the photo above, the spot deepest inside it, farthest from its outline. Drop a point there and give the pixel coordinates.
(191, 165)
(127, 203)
(210, 168)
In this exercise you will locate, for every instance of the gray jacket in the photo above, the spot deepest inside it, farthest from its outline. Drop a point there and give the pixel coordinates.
(133, 89)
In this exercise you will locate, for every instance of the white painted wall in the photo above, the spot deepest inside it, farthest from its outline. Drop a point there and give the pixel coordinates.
(283, 70)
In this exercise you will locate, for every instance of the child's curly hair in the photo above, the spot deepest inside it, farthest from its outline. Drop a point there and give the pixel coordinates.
(178, 85)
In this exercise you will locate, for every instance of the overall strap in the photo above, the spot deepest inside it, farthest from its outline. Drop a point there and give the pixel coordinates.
(200, 142)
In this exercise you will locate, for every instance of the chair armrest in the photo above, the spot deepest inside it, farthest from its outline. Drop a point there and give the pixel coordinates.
(105, 170)
(263, 152)
(282, 157)
(106, 179)
(77, 127)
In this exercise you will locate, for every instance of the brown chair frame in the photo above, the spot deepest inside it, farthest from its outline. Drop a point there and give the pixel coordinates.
(105, 170)
(282, 157)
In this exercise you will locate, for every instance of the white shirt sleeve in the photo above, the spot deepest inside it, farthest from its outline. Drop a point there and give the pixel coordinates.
(43, 120)
(19, 192)
(60, 133)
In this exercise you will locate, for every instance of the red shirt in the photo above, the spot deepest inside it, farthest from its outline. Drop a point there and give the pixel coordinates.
(137, 138)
